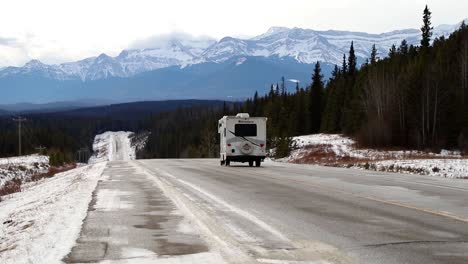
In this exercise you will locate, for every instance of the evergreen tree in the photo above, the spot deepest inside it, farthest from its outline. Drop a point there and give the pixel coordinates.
(272, 91)
(255, 105)
(316, 93)
(344, 66)
(373, 57)
(392, 51)
(403, 49)
(352, 60)
(426, 29)
(335, 72)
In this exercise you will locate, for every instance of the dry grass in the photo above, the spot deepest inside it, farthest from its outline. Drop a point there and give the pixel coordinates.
(324, 155)
(11, 187)
(14, 185)
(52, 171)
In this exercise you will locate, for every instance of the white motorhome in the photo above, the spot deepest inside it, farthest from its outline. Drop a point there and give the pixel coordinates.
(242, 139)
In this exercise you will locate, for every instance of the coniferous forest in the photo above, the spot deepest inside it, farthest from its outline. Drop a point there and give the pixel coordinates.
(412, 97)
(415, 97)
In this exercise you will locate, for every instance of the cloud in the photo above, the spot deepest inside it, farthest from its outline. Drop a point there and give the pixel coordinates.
(162, 40)
(8, 41)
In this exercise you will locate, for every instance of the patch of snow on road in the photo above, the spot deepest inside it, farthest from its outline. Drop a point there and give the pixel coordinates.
(22, 167)
(111, 146)
(41, 223)
(112, 200)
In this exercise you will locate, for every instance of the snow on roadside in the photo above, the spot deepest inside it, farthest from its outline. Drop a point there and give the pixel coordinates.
(448, 168)
(22, 167)
(341, 151)
(343, 146)
(110, 146)
(41, 223)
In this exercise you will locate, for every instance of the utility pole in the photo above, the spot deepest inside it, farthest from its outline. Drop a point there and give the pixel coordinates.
(79, 155)
(19, 120)
(40, 149)
(84, 151)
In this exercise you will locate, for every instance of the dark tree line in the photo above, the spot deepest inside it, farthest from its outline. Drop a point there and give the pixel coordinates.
(414, 98)
(61, 135)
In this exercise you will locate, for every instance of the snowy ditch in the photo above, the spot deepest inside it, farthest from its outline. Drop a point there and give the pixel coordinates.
(41, 223)
(22, 168)
(340, 151)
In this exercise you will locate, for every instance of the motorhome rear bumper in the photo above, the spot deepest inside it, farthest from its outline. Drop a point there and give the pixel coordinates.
(245, 158)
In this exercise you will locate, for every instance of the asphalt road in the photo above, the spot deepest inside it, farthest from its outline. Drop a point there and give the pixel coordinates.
(195, 211)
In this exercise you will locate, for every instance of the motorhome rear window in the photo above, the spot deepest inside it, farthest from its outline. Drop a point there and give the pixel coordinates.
(245, 130)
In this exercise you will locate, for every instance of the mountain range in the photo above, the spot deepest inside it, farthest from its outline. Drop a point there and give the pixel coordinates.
(186, 68)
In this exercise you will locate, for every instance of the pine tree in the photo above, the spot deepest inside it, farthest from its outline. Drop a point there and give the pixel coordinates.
(426, 29)
(316, 93)
(403, 49)
(272, 91)
(392, 51)
(255, 105)
(344, 67)
(373, 57)
(352, 60)
(335, 72)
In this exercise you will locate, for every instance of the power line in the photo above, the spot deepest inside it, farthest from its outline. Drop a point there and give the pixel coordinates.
(19, 120)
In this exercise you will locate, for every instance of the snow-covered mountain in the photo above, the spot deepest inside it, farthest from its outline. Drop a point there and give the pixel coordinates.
(303, 45)
(309, 46)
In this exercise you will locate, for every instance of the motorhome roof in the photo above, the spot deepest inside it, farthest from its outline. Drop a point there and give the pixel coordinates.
(243, 115)
(236, 117)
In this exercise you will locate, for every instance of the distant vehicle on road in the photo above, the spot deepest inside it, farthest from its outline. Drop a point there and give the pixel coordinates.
(242, 139)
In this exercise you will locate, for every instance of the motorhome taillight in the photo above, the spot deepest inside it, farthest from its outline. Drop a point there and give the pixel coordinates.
(229, 145)
(262, 145)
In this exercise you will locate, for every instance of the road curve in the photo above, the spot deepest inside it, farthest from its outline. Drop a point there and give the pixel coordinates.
(285, 213)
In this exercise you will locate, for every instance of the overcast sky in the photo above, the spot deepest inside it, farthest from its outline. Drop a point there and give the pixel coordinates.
(55, 31)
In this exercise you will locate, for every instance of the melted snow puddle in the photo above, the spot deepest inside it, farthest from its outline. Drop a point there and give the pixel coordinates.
(112, 200)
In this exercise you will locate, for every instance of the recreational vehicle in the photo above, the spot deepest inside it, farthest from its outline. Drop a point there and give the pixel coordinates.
(242, 139)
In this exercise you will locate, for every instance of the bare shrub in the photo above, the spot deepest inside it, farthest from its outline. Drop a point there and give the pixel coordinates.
(11, 186)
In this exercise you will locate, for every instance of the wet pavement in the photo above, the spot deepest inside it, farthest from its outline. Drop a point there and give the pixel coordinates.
(130, 218)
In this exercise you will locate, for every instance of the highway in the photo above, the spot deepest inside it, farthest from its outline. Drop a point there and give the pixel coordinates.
(196, 211)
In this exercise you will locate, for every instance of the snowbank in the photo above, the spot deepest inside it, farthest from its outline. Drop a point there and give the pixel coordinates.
(111, 146)
(338, 150)
(448, 168)
(22, 167)
(41, 223)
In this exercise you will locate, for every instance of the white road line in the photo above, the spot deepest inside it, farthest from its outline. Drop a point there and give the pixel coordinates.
(236, 255)
(231, 207)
